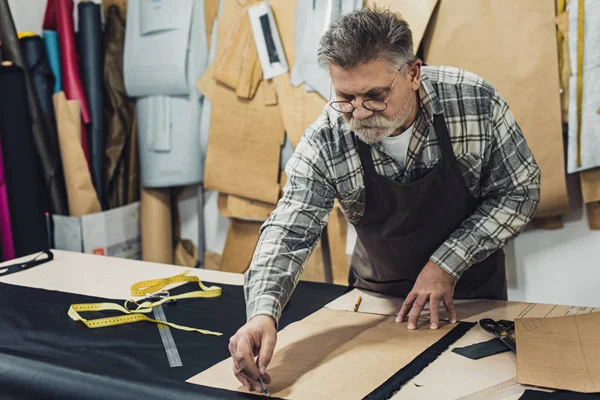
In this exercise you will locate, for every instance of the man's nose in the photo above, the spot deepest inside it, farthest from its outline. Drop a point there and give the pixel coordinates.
(360, 113)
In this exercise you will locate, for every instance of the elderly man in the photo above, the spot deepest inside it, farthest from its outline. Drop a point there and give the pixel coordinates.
(427, 163)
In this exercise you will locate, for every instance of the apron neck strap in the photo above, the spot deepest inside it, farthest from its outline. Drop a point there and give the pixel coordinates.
(443, 136)
(366, 159)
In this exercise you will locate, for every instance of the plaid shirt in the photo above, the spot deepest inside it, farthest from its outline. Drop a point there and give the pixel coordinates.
(495, 160)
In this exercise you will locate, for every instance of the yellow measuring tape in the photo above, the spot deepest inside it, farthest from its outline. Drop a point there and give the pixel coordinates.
(580, 8)
(143, 306)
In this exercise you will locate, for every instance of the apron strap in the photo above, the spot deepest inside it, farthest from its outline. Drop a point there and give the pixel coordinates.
(366, 159)
(443, 136)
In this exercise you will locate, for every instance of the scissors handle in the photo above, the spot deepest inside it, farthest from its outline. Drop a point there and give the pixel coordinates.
(489, 325)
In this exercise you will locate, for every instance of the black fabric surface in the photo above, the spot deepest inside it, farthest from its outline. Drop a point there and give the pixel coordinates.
(21, 168)
(46, 147)
(395, 383)
(36, 326)
(481, 350)
(92, 76)
(560, 395)
(34, 52)
(26, 376)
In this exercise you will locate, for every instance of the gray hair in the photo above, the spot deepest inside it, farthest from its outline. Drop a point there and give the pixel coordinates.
(367, 35)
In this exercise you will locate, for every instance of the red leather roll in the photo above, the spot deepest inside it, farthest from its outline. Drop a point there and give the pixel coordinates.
(50, 16)
(69, 65)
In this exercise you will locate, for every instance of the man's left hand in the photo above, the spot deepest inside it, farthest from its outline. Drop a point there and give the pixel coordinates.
(433, 284)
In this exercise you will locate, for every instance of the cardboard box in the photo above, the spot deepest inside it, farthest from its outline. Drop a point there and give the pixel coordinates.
(113, 233)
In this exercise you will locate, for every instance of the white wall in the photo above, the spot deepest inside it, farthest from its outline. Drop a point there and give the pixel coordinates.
(552, 266)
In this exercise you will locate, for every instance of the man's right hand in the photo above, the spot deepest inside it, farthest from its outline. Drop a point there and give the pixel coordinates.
(257, 337)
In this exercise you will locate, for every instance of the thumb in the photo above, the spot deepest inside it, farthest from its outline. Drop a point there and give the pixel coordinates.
(267, 347)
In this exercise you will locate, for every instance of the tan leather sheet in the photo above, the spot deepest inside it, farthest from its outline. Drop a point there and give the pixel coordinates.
(559, 353)
(333, 355)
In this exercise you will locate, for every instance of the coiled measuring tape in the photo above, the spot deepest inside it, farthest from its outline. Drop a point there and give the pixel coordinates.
(580, 37)
(141, 307)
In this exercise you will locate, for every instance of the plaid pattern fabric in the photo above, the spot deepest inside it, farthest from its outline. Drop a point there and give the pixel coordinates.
(495, 160)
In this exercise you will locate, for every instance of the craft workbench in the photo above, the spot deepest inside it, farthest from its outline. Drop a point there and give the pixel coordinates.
(43, 353)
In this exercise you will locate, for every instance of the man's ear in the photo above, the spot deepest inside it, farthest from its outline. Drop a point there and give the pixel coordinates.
(414, 74)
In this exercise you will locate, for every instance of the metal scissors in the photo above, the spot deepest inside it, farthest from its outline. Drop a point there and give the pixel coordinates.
(502, 330)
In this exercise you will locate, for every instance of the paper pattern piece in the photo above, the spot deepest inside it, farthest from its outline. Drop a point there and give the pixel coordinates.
(298, 108)
(236, 46)
(337, 229)
(156, 47)
(80, 189)
(559, 353)
(333, 355)
(532, 90)
(320, 17)
(590, 118)
(242, 237)
(103, 276)
(247, 128)
(169, 126)
(416, 13)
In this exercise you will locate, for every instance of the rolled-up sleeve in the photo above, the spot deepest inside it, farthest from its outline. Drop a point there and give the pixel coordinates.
(510, 195)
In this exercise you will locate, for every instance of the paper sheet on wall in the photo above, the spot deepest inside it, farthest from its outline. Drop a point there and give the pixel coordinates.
(337, 228)
(254, 136)
(416, 13)
(590, 105)
(242, 237)
(298, 107)
(318, 17)
(206, 103)
(531, 89)
(156, 47)
(333, 355)
(169, 126)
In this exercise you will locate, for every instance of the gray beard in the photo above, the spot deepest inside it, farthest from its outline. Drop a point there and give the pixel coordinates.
(377, 127)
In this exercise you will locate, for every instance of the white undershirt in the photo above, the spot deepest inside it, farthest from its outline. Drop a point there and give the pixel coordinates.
(397, 146)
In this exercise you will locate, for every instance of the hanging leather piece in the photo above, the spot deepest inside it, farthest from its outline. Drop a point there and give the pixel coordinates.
(121, 168)
(46, 145)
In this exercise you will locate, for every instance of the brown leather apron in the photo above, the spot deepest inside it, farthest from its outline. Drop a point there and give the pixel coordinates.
(404, 224)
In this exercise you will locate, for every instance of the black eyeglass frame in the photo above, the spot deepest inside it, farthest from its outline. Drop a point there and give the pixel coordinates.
(364, 103)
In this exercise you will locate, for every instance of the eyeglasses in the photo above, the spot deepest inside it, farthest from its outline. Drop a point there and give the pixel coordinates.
(346, 107)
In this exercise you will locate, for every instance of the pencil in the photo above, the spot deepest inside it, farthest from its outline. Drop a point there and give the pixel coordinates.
(358, 301)
(262, 383)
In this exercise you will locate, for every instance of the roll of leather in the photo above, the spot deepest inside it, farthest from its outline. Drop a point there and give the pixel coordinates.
(49, 22)
(34, 53)
(120, 112)
(7, 247)
(71, 79)
(46, 145)
(21, 167)
(53, 55)
(90, 37)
